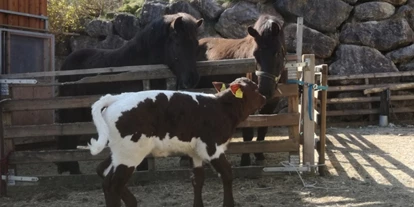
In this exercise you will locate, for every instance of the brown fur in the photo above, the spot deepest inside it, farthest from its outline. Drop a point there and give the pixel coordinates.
(265, 42)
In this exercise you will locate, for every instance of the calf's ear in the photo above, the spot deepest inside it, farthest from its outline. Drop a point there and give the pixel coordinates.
(236, 90)
(219, 86)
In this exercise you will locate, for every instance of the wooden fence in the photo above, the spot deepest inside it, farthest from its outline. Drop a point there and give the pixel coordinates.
(366, 109)
(291, 119)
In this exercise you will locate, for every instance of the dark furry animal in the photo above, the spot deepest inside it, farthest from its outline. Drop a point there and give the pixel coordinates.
(170, 40)
(265, 42)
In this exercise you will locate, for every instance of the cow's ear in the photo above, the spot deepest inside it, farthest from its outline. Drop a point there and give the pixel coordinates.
(220, 86)
(236, 90)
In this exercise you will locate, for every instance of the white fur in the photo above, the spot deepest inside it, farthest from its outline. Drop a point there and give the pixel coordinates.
(130, 153)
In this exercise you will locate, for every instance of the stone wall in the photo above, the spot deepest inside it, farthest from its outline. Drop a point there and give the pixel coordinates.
(352, 36)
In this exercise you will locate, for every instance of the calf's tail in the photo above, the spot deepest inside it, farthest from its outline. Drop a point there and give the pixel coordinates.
(96, 146)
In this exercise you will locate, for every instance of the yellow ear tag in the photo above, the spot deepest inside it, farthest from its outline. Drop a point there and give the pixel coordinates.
(239, 93)
(223, 87)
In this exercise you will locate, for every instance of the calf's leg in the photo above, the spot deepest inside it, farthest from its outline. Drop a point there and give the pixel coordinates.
(223, 167)
(126, 195)
(198, 182)
(114, 186)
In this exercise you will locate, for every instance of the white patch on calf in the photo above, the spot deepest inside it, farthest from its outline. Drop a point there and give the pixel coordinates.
(131, 154)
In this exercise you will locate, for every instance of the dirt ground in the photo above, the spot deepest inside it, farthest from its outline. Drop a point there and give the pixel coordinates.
(368, 166)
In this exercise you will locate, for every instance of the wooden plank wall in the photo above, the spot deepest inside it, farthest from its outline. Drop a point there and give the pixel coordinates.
(36, 7)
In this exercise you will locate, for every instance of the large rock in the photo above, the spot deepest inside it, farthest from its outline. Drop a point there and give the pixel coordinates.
(82, 41)
(268, 8)
(373, 11)
(353, 59)
(234, 21)
(383, 35)
(407, 67)
(99, 28)
(406, 12)
(323, 15)
(396, 2)
(401, 55)
(111, 42)
(126, 25)
(183, 6)
(207, 29)
(151, 10)
(210, 8)
(350, 1)
(314, 42)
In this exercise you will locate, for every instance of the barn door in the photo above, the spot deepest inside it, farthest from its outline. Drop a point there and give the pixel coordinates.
(24, 52)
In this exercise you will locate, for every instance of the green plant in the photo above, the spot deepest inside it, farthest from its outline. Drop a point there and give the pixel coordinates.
(67, 16)
(131, 6)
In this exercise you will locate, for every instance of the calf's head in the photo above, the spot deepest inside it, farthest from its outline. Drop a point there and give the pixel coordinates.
(244, 91)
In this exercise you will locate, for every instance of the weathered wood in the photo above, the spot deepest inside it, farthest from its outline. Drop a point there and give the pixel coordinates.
(299, 39)
(368, 99)
(308, 124)
(25, 157)
(371, 75)
(86, 101)
(322, 129)
(289, 119)
(51, 103)
(366, 111)
(395, 87)
(92, 181)
(85, 128)
(156, 71)
(356, 87)
(385, 103)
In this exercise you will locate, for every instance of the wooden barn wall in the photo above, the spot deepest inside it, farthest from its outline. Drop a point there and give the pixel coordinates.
(36, 7)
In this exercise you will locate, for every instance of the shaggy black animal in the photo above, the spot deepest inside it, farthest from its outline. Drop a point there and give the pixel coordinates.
(169, 40)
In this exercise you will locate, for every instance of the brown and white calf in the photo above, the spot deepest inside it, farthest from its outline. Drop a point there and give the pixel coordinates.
(164, 122)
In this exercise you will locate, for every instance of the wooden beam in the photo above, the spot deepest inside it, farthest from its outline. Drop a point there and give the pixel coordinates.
(93, 181)
(85, 128)
(289, 119)
(368, 99)
(26, 157)
(86, 101)
(366, 111)
(156, 71)
(371, 75)
(308, 124)
(322, 169)
(395, 87)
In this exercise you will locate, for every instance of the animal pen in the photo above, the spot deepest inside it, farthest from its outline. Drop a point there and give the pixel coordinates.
(300, 119)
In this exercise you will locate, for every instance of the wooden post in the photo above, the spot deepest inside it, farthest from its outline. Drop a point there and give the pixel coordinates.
(308, 124)
(3, 184)
(322, 132)
(146, 85)
(384, 107)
